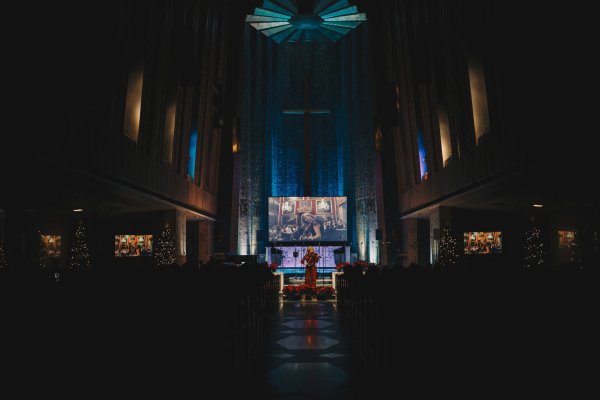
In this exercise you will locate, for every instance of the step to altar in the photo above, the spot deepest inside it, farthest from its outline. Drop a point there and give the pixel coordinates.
(299, 280)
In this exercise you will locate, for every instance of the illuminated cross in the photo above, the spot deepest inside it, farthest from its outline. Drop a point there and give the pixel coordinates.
(306, 111)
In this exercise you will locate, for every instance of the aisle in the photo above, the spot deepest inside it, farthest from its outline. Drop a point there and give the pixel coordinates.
(308, 357)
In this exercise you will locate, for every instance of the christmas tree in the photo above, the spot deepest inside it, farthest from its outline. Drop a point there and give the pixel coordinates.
(3, 260)
(535, 254)
(165, 247)
(80, 254)
(448, 253)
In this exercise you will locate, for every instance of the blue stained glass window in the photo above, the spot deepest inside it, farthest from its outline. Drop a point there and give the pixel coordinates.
(422, 154)
(191, 167)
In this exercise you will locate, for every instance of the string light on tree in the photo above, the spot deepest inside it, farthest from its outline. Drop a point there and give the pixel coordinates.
(165, 247)
(80, 253)
(448, 253)
(575, 251)
(44, 262)
(535, 254)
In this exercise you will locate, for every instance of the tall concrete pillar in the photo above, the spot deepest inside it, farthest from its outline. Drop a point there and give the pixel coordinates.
(408, 241)
(434, 234)
(193, 241)
(180, 236)
(207, 229)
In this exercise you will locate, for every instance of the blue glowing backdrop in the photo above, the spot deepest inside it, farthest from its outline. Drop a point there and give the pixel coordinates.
(299, 76)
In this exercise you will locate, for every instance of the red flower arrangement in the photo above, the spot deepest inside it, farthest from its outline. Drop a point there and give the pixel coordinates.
(290, 290)
(273, 266)
(362, 264)
(325, 292)
(341, 266)
(306, 290)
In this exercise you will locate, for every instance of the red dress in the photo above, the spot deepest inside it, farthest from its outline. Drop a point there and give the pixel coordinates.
(311, 260)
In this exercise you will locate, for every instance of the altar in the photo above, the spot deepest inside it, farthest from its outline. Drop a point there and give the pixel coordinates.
(291, 256)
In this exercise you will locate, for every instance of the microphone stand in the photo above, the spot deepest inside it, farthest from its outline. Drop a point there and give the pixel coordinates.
(322, 266)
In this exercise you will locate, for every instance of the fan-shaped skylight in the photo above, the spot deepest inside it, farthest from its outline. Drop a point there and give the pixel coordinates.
(330, 20)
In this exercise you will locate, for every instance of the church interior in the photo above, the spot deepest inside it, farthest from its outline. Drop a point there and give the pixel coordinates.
(303, 197)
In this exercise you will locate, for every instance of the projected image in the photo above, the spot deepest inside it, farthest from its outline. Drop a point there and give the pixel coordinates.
(313, 219)
(483, 242)
(51, 245)
(565, 238)
(133, 245)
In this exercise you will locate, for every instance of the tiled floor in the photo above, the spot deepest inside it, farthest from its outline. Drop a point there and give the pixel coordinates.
(308, 357)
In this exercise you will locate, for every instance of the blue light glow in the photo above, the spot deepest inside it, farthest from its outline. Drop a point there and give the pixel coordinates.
(276, 7)
(345, 11)
(267, 25)
(281, 36)
(354, 17)
(277, 29)
(191, 167)
(269, 13)
(329, 21)
(335, 7)
(260, 18)
(422, 154)
(321, 4)
(303, 21)
(336, 29)
(289, 4)
(333, 36)
(345, 24)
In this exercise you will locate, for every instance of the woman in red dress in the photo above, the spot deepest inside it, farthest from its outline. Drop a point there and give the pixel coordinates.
(311, 259)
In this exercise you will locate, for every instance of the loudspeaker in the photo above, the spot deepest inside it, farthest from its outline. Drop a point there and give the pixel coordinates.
(274, 250)
(378, 234)
(295, 254)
